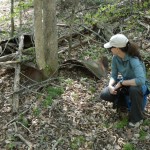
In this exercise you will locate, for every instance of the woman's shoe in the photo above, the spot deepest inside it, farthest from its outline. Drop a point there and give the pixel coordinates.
(135, 125)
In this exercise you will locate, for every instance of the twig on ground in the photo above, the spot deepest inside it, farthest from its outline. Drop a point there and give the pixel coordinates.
(16, 118)
(57, 142)
(29, 144)
(24, 127)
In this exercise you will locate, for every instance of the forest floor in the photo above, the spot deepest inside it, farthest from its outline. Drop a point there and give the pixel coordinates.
(74, 119)
(66, 113)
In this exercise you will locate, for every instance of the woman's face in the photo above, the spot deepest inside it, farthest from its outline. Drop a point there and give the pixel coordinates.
(118, 52)
(114, 50)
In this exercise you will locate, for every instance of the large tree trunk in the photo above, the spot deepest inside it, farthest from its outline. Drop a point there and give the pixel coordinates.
(46, 36)
(50, 36)
(38, 33)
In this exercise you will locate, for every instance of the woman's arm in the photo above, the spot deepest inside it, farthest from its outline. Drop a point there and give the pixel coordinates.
(140, 76)
(125, 83)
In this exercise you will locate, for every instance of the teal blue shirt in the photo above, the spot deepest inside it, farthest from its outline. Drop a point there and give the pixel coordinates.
(129, 68)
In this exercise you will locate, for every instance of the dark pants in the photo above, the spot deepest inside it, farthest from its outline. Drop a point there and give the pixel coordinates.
(136, 97)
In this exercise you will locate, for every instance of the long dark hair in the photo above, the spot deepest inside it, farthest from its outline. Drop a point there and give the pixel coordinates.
(132, 50)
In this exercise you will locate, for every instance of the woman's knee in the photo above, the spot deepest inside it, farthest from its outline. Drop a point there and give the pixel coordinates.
(104, 93)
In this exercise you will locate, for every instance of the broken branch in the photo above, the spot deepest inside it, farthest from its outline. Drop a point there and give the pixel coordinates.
(29, 144)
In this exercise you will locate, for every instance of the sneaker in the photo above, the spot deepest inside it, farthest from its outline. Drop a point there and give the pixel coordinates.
(135, 125)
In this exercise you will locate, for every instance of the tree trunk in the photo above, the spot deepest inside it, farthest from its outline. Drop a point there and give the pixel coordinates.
(74, 5)
(46, 43)
(38, 33)
(20, 15)
(50, 37)
(12, 18)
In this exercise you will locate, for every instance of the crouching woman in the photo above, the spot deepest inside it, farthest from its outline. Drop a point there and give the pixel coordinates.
(126, 62)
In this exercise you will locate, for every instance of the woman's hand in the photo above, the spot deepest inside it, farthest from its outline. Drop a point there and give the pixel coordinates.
(112, 90)
(117, 86)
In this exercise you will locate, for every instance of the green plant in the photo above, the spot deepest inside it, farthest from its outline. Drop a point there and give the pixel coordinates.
(23, 120)
(92, 89)
(106, 124)
(143, 134)
(69, 81)
(53, 92)
(128, 146)
(11, 146)
(48, 101)
(36, 111)
(77, 142)
(146, 122)
(93, 52)
(122, 123)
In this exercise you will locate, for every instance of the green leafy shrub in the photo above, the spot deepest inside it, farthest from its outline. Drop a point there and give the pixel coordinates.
(146, 122)
(122, 123)
(143, 134)
(53, 93)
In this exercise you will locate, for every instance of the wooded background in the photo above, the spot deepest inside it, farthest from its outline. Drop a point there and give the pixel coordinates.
(53, 66)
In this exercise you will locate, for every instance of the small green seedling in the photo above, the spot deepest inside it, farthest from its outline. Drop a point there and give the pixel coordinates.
(53, 93)
(128, 146)
(77, 142)
(122, 123)
(143, 134)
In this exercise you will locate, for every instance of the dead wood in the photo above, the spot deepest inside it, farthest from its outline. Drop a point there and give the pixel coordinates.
(57, 142)
(8, 57)
(92, 68)
(8, 63)
(75, 46)
(24, 127)
(27, 89)
(147, 26)
(17, 78)
(11, 45)
(29, 144)
(63, 25)
(16, 118)
(74, 35)
(98, 35)
(145, 16)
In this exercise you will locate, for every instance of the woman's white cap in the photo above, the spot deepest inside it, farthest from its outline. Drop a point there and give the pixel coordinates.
(118, 40)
